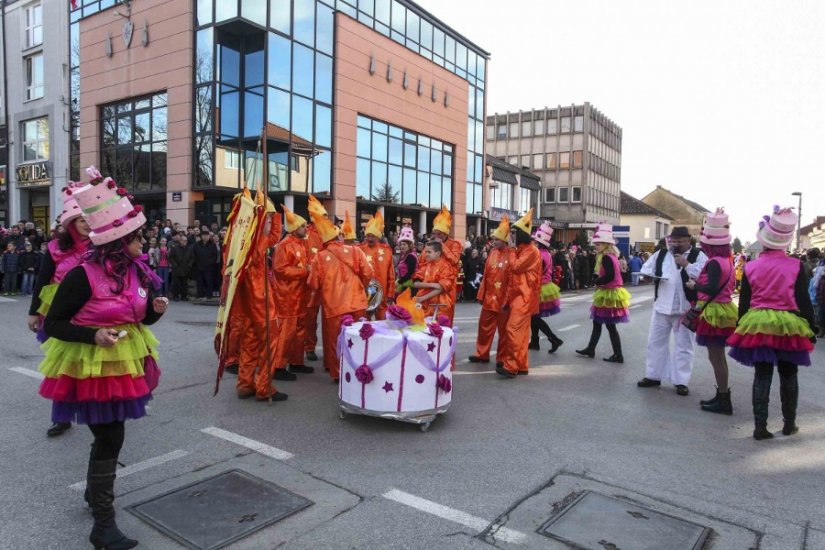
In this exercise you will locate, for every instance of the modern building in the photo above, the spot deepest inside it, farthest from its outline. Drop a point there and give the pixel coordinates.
(575, 150)
(34, 165)
(683, 211)
(513, 191)
(366, 104)
(646, 224)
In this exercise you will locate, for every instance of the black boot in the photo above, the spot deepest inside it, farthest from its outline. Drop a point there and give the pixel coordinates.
(616, 342)
(101, 482)
(761, 399)
(590, 350)
(534, 333)
(720, 404)
(555, 342)
(704, 402)
(789, 393)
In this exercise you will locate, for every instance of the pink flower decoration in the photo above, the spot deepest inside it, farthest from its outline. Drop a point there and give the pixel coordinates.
(366, 331)
(444, 321)
(138, 208)
(117, 223)
(93, 173)
(363, 374)
(398, 313)
(346, 320)
(133, 214)
(110, 183)
(436, 330)
(444, 383)
(122, 192)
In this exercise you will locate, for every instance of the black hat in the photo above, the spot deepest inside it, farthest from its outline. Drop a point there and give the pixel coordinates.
(680, 231)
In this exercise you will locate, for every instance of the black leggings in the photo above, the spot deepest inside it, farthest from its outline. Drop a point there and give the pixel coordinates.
(108, 440)
(784, 368)
(615, 340)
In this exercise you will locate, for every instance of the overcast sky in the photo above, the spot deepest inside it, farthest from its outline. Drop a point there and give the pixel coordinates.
(720, 101)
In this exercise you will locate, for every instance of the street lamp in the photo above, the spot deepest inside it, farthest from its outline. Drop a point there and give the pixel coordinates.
(799, 221)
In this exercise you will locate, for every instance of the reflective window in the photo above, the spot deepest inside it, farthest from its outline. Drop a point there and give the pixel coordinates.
(552, 126)
(382, 11)
(323, 126)
(322, 172)
(564, 160)
(280, 15)
(323, 78)
(304, 16)
(302, 57)
(399, 20)
(34, 25)
(34, 77)
(204, 58)
(225, 10)
(301, 120)
(36, 139)
(579, 123)
(204, 12)
(565, 124)
(279, 64)
(253, 112)
(324, 29)
(278, 108)
(254, 10)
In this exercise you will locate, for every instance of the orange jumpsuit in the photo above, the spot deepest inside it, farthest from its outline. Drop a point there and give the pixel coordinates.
(380, 258)
(492, 293)
(451, 252)
(291, 267)
(523, 300)
(308, 326)
(251, 309)
(339, 274)
(442, 272)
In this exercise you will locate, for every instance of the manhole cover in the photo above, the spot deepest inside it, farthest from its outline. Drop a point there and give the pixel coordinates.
(220, 510)
(598, 522)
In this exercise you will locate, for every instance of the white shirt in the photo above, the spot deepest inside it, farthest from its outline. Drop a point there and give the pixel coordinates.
(672, 300)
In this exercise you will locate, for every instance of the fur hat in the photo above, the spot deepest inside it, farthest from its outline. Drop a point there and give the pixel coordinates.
(502, 232)
(776, 231)
(716, 229)
(544, 234)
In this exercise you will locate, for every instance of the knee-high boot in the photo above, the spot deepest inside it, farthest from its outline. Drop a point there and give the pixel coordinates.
(789, 393)
(555, 341)
(101, 483)
(590, 350)
(761, 399)
(535, 323)
(616, 342)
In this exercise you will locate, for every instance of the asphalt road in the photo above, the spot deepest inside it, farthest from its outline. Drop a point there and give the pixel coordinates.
(466, 483)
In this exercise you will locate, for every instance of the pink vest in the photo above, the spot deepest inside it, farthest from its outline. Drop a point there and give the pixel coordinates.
(64, 261)
(724, 296)
(617, 273)
(546, 266)
(106, 309)
(772, 277)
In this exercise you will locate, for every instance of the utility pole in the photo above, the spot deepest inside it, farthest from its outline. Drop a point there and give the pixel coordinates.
(798, 221)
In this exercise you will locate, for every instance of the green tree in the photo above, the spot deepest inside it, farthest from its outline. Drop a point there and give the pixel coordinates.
(737, 246)
(385, 193)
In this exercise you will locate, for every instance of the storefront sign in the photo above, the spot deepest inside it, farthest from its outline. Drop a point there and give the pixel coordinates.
(497, 213)
(32, 175)
(177, 196)
(2, 176)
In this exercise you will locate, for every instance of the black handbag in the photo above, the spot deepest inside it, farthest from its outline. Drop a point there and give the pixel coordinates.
(690, 320)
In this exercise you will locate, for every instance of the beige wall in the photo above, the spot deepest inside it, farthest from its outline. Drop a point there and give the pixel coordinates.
(682, 214)
(356, 91)
(643, 227)
(165, 64)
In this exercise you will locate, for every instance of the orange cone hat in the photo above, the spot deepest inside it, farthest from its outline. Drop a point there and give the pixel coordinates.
(326, 229)
(316, 208)
(443, 221)
(502, 232)
(375, 226)
(293, 220)
(526, 222)
(347, 229)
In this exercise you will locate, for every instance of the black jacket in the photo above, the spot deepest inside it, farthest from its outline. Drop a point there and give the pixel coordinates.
(205, 255)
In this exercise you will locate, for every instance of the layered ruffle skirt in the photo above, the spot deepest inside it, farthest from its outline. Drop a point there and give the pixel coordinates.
(770, 336)
(47, 293)
(716, 324)
(610, 305)
(89, 384)
(549, 299)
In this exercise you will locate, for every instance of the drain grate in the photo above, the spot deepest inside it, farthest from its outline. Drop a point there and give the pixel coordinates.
(220, 510)
(598, 522)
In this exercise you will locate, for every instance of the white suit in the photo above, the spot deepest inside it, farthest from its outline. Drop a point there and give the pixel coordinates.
(662, 363)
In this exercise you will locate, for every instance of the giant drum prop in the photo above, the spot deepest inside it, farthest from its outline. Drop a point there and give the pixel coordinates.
(392, 370)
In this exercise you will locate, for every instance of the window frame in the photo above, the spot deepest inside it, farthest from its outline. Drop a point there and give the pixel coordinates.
(573, 199)
(32, 86)
(563, 191)
(29, 27)
(27, 143)
(551, 192)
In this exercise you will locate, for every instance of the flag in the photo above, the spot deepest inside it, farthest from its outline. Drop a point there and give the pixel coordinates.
(74, 4)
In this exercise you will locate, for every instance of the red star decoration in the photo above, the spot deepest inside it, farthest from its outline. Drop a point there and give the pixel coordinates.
(349, 343)
(387, 387)
(431, 346)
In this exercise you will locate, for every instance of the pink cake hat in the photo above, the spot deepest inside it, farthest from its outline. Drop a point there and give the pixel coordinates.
(776, 231)
(716, 229)
(71, 210)
(604, 234)
(544, 234)
(108, 209)
(407, 235)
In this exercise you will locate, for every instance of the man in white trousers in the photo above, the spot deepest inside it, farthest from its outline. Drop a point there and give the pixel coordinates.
(671, 268)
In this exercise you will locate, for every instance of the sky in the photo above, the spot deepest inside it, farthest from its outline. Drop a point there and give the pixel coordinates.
(720, 101)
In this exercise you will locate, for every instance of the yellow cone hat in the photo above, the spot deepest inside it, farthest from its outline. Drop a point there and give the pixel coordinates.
(316, 208)
(443, 221)
(526, 222)
(293, 220)
(502, 232)
(347, 229)
(375, 226)
(326, 229)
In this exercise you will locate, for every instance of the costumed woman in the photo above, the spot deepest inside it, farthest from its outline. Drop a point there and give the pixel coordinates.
(610, 300)
(62, 255)
(407, 262)
(550, 298)
(776, 321)
(100, 364)
(719, 315)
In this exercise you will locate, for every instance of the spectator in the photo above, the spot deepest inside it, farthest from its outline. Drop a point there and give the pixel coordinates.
(29, 262)
(635, 266)
(623, 267)
(180, 265)
(216, 267)
(560, 259)
(10, 266)
(583, 268)
(205, 256)
(163, 265)
(153, 253)
(473, 269)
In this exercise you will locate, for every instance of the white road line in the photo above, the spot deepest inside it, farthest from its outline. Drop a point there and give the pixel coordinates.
(257, 446)
(451, 514)
(6, 300)
(138, 467)
(27, 372)
(635, 306)
(641, 299)
(570, 327)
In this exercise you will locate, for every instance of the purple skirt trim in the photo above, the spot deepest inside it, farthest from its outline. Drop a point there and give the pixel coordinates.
(610, 320)
(750, 356)
(715, 341)
(41, 335)
(552, 310)
(99, 412)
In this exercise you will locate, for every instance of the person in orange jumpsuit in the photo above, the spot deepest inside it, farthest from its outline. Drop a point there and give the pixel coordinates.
(522, 298)
(380, 257)
(451, 250)
(308, 328)
(492, 293)
(256, 362)
(438, 282)
(291, 268)
(338, 274)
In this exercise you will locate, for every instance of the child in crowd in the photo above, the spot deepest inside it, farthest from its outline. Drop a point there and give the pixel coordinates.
(10, 266)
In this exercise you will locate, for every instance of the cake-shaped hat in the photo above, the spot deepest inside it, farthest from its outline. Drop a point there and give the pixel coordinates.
(544, 234)
(375, 226)
(604, 234)
(776, 231)
(407, 234)
(443, 221)
(108, 210)
(347, 229)
(716, 229)
(502, 232)
(71, 210)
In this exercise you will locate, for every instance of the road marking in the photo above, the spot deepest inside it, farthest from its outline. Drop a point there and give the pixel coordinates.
(570, 327)
(641, 299)
(257, 446)
(635, 306)
(6, 300)
(138, 467)
(456, 516)
(27, 372)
